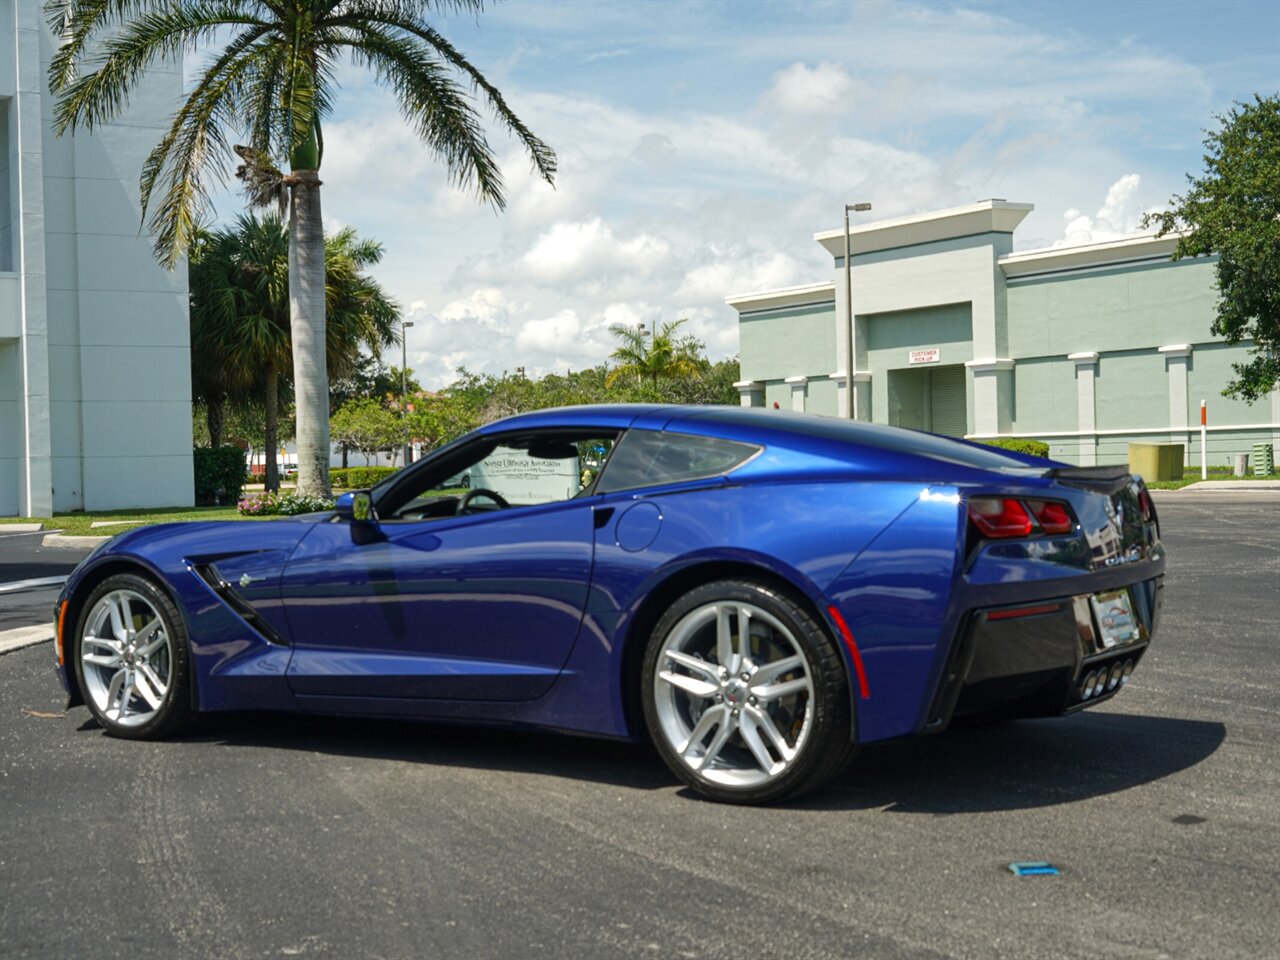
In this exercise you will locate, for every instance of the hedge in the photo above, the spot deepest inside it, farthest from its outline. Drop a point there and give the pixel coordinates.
(1037, 448)
(219, 474)
(358, 478)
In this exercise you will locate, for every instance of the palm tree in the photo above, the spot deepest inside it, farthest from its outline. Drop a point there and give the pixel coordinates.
(661, 356)
(240, 330)
(274, 82)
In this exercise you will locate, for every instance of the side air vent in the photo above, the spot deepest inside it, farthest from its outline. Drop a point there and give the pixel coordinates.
(226, 592)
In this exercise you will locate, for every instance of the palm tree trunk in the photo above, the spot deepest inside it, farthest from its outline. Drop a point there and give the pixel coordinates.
(271, 478)
(214, 415)
(307, 323)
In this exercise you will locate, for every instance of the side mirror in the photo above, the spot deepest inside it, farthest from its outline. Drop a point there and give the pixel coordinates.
(357, 509)
(356, 506)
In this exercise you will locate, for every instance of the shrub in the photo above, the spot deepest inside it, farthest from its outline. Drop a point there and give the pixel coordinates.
(359, 478)
(219, 474)
(1037, 448)
(277, 504)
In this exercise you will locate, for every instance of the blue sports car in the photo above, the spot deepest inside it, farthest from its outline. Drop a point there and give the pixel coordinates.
(757, 592)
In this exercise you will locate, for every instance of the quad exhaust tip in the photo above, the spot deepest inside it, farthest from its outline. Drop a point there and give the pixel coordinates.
(1106, 679)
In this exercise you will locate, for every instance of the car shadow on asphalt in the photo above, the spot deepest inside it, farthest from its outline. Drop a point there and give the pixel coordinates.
(622, 764)
(1010, 766)
(1019, 764)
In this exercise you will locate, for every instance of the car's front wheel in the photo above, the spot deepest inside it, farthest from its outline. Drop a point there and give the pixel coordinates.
(131, 659)
(745, 695)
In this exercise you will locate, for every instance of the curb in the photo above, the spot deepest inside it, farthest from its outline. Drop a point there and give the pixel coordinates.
(19, 637)
(61, 540)
(1218, 486)
(20, 528)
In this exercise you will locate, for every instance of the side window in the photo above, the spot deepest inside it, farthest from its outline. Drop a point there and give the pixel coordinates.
(521, 470)
(646, 458)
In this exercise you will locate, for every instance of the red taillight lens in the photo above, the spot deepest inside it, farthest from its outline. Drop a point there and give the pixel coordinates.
(1144, 505)
(1052, 517)
(999, 519)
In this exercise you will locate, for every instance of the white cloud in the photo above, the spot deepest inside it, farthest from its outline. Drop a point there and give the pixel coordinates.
(574, 251)
(549, 335)
(801, 89)
(1119, 216)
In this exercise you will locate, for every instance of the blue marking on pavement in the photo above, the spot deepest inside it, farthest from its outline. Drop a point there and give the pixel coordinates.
(1033, 868)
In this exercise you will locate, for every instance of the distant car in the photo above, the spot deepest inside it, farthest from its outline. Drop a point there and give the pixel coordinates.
(757, 592)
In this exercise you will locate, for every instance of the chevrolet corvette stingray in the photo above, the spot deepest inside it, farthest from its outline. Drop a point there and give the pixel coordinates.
(757, 592)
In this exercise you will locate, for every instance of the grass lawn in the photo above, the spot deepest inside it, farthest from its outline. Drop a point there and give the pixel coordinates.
(1192, 475)
(79, 524)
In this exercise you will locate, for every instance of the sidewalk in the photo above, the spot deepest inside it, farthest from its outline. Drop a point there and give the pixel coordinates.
(1227, 486)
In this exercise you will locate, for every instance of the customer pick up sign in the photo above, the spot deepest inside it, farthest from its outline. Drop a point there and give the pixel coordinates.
(932, 355)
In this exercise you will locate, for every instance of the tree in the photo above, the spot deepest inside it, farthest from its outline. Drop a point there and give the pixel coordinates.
(240, 329)
(367, 426)
(654, 358)
(1233, 210)
(275, 81)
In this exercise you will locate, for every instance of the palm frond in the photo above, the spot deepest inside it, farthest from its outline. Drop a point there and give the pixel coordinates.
(435, 106)
(543, 157)
(99, 96)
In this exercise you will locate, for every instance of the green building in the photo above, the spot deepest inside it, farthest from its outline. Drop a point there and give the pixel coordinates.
(1086, 347)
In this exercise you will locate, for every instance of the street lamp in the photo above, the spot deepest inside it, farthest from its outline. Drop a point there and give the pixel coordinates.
(404, 389)
(850, 408)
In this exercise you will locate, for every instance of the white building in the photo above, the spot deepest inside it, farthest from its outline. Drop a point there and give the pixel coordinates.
(95, 379)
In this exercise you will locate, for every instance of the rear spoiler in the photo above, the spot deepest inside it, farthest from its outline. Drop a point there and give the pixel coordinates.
(1106, 479)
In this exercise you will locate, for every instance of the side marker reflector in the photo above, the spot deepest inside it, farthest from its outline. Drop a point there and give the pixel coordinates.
(1033, 868)
(57, 633)
(864, 692)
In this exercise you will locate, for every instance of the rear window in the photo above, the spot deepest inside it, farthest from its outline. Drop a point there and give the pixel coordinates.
(646, 458)
(911, 442)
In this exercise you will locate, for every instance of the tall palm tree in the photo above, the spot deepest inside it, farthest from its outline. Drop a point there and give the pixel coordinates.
(654, 358)
(274, 82)
(240, 330)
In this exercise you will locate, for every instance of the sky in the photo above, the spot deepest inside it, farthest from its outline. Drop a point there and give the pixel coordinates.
(702, 144)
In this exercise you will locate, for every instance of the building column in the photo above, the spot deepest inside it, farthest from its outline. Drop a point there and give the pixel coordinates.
(992, 396)
(750, 393)
(799, 390)
(1086, 407)
(1275, 429)
(861, 393)
(1177, 358)
(35, 465)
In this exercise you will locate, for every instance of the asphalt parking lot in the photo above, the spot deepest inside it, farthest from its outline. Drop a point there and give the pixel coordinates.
(266, 836)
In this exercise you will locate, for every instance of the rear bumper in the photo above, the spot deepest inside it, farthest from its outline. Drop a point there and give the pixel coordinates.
(1041, 658)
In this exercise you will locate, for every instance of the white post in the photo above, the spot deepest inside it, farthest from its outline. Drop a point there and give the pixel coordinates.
(1204, 454)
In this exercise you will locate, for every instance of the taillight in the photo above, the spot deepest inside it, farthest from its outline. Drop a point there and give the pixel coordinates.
(1144, 505)
(1053, 517)
(999, 519)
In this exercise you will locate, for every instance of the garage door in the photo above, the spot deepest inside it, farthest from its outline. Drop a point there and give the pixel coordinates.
(947, 411)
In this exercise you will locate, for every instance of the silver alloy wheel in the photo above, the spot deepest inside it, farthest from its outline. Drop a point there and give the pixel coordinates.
(734, 694)
(127, 658)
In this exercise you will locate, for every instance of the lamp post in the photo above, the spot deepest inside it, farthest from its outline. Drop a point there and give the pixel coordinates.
(404, 390)
(850, 408)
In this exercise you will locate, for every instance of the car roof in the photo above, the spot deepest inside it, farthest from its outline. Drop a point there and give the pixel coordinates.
(806, 431)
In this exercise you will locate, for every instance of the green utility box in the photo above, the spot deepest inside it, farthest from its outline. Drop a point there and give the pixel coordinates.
(1156, 461)
(1263, 460)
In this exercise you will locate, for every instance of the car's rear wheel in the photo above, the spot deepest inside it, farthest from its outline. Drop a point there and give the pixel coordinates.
(745, 695)
(131, 659)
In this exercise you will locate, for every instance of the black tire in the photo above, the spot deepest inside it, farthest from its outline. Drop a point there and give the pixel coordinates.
(170, 661)
(823, 745)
